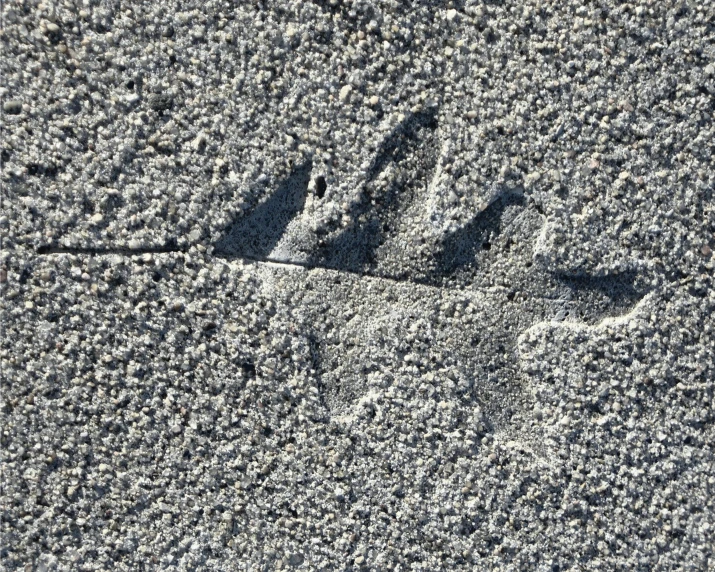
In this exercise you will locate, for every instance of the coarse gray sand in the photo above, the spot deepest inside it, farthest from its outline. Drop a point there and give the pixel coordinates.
(357, 285)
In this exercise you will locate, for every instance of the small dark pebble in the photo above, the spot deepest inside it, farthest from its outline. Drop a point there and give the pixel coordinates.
(320, 186)
(249, 370)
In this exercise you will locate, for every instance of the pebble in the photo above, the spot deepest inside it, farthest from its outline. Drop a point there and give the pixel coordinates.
(345, 92)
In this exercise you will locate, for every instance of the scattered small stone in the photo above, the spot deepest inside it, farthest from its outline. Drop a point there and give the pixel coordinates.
(345, 92)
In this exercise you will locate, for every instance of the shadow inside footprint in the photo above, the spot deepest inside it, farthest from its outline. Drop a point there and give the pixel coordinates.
(353, 250)
(256, 234)
(375, 218)
(402, 141)
(458, 250)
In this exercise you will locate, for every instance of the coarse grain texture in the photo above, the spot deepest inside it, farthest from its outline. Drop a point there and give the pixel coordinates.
(357, 285)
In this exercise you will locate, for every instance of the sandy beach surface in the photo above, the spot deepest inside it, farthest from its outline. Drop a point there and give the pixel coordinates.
(358, 285)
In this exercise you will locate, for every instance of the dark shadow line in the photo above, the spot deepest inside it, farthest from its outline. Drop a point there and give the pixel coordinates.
(100, 251)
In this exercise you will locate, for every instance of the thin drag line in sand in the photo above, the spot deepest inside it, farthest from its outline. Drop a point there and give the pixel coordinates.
(103, 251)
